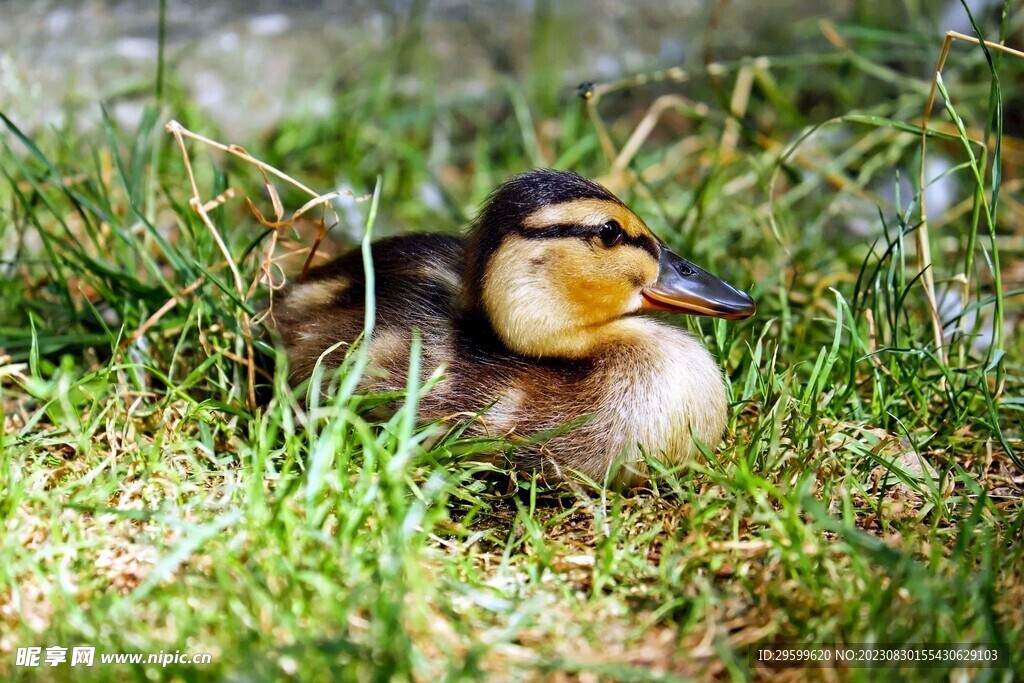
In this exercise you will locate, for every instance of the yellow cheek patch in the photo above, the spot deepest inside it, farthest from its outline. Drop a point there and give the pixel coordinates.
(566, 278)
(600, 283)
(546, 296)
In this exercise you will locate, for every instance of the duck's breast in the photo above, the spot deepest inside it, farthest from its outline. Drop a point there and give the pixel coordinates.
(663, 388)
(656, 387)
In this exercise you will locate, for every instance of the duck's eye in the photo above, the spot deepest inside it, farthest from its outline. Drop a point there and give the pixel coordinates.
(611, 233)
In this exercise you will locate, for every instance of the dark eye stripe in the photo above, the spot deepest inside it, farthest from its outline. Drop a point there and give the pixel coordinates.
(588, 231)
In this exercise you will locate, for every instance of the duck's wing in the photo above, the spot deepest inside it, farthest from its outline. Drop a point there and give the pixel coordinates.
(418, 281)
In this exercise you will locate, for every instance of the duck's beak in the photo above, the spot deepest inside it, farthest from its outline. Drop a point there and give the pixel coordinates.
(684, 287)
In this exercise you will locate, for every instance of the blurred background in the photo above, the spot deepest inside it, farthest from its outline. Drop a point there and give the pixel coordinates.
(250, 65)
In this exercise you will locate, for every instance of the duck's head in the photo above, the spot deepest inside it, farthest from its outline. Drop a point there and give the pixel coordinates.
(554, 260)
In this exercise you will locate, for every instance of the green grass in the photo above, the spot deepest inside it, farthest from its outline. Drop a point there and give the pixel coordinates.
(147, 507)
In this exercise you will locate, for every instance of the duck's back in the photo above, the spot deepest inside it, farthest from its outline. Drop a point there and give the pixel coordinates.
(417, 286)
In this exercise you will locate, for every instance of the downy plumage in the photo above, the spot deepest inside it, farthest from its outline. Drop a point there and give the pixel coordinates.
(537, 315)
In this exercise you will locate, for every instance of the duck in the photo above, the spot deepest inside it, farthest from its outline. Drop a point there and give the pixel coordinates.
(538, 318)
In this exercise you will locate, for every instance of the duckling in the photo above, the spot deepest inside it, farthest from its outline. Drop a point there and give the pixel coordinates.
(536, 319)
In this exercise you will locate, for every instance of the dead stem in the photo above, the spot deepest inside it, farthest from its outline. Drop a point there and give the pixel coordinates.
(280, 222)
(924, 255)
